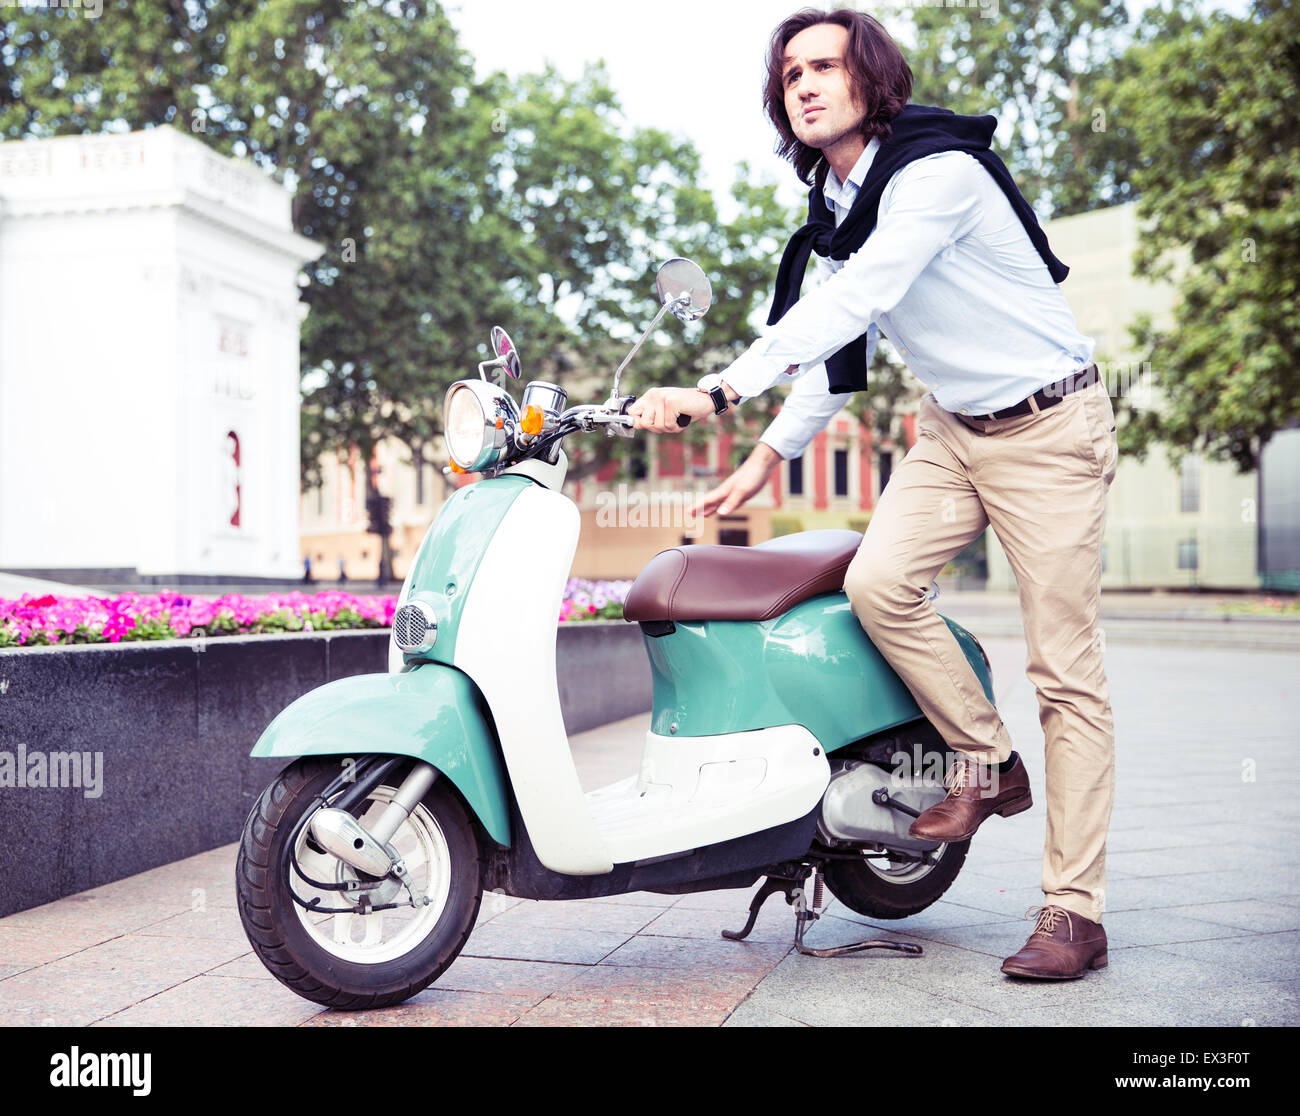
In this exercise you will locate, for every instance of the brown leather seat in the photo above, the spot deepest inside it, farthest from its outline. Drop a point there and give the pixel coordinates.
(741, 582)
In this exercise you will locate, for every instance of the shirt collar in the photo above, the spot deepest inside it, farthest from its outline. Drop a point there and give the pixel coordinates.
(843, 194)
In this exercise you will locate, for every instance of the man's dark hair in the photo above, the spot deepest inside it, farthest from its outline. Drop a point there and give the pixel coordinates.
(879, 77)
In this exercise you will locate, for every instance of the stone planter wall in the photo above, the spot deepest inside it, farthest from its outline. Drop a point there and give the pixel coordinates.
(164, 731)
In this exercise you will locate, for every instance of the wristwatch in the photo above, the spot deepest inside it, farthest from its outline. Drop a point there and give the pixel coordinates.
(711, 385)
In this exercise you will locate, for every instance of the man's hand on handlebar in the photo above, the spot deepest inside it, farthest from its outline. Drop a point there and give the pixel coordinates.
(659, 409)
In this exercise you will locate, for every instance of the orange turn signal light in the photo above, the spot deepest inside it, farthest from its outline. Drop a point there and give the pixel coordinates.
(456, 468)
(533, 421)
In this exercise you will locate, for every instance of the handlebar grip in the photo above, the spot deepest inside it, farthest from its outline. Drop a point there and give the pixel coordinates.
(683, 420)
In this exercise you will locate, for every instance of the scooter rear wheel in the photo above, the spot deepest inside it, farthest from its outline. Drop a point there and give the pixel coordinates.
(357, 959)
(895, 888)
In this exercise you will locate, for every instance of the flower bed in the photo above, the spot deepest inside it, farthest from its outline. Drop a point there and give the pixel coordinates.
(1269, 606)
(593, 600)
(40, 621)
(45, 621)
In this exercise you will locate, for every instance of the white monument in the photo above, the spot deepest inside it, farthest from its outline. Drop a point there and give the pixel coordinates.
(149, 319)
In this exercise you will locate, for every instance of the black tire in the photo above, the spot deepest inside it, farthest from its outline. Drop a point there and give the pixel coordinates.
(300, 957)
(866, 886)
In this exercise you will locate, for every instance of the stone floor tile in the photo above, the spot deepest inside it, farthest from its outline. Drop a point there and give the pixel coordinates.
(727, 986)
(22, 947)
(1257, 957)
(433, 1008)
(1256, 1004)
(249, 966)
(1256, 915)
(515, 979)
(720, 956)
(81, 988)
(851, 992)
(749, 1014)
(775, 923)
(543, 943)
(212, 922)
(1161, 926)
(93, 919)
(217, 1001)
(577, 915)
(566, 1010)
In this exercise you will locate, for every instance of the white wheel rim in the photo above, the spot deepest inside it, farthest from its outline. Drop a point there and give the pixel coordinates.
(379, 936)
(904, 871)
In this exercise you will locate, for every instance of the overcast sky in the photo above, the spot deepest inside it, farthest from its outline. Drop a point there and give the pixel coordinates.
(694, 69)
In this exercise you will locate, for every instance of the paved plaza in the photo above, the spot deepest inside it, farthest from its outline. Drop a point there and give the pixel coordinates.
(1203, 906)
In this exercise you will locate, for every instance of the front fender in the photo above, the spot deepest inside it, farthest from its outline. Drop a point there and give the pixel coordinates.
(433, 713)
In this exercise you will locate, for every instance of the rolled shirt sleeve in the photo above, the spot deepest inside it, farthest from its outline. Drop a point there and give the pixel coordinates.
(805, 413)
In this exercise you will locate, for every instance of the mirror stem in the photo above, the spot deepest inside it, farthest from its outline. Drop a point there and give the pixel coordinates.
(683, 299)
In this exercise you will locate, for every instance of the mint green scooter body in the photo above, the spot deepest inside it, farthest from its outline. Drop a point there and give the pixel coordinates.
(433, 713)
(429, 710)
(812, 666)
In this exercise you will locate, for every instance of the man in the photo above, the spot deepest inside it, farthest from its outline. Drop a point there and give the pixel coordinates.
(926, 237)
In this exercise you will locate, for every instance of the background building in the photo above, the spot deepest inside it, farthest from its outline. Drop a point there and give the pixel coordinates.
(1195, 526)
(625, 521)
(149, 370)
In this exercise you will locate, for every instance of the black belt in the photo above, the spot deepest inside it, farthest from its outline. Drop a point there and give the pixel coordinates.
(1048, 396)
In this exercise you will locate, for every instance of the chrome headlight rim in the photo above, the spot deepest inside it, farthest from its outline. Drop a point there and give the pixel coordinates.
(480, 449)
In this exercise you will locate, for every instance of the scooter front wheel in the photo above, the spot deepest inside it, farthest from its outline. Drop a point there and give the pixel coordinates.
(364, 952)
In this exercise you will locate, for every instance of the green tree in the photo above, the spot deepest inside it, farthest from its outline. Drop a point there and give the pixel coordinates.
(1030, 63)
(1213, 111)
(364, 108)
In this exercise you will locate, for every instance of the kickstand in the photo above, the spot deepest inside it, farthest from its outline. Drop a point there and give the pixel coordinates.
(797, 897)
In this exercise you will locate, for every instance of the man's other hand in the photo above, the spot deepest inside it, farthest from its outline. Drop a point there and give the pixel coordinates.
(658, 408)
(745, 483)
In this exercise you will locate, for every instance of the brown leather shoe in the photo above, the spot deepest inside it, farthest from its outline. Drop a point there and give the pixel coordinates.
(973, 795)
(1063, 946)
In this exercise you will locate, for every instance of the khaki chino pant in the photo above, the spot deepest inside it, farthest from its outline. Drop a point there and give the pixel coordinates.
(1041, 481)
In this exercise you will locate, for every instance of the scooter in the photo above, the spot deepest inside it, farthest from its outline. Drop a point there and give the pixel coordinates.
(781, 744)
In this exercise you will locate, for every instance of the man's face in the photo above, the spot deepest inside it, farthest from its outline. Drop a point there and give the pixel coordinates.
(818, 99)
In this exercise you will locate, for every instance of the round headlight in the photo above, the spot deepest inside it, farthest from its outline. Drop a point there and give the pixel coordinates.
(478, 419)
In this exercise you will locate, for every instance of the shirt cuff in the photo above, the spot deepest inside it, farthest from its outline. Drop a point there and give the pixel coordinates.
(753, 373)
(785, 438)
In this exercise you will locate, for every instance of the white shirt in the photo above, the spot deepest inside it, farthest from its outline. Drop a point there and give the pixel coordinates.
(951, 277)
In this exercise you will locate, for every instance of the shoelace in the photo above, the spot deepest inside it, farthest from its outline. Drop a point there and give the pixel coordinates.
(1048, 919)
(959, 778)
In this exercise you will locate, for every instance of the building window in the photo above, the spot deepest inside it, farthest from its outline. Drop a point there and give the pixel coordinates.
(795, 484)
(419, 481)
(1188, 558)
(886, 468)
(1104, 548)
(841, 472)
(1189, 484)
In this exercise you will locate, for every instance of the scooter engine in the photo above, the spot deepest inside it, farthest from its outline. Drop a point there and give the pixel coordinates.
(861, 803)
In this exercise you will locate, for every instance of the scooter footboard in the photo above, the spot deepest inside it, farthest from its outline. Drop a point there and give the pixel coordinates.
(433, 713)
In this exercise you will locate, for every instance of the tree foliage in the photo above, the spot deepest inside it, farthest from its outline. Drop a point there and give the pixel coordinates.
(1213, 111)
(1032, 64)
(444, 204)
